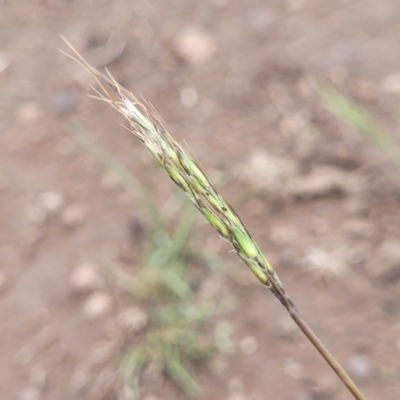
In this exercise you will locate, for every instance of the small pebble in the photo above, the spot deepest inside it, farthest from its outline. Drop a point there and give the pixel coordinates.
(85, 277)
(74, 215)
(31, 393)
(64, 103)
(360, 366)
(29, 112)
(293, 369)
(133, 319)
(325, 264)
(194, 46)
(323, 182)
(51, 201)
(249, 345)
(189, 97)
(97, 305)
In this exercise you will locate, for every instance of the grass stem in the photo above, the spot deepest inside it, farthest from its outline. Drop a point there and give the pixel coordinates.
(330, 359)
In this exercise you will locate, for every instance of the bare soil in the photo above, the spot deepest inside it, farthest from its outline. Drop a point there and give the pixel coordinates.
(322, 201)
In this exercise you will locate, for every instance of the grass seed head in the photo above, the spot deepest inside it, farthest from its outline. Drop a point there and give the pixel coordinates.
(148, 126)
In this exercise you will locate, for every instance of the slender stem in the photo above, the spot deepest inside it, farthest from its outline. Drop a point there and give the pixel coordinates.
(326, 354)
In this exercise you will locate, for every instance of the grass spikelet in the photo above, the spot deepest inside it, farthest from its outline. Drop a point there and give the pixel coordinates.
(147, 125)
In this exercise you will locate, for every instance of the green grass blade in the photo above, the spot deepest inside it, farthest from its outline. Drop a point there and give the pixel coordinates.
(101, 154)
(176, 371)
(359, 118)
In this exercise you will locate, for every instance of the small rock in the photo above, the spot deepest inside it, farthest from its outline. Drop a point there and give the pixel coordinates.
(74, 215)
(194, 46)
(29, 113)
(325, 264)
(97, 305)
(189, 97)
(323, 182)
(249, 345)
(30, 393)
(85, 277)
(133, 319)
(51, 201)
(267, 172)
(64, 102)
(360, 367)
(293, 369)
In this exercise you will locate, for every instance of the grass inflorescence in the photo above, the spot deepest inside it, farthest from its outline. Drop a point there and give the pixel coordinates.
(148, 127)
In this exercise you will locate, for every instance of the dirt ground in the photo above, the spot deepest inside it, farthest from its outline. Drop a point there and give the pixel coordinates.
(236, 81)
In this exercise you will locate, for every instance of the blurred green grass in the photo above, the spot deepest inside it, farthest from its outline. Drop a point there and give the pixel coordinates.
(165, 287)
(359, 118)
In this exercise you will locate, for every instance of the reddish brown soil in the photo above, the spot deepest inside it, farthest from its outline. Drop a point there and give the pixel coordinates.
(255, 96)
